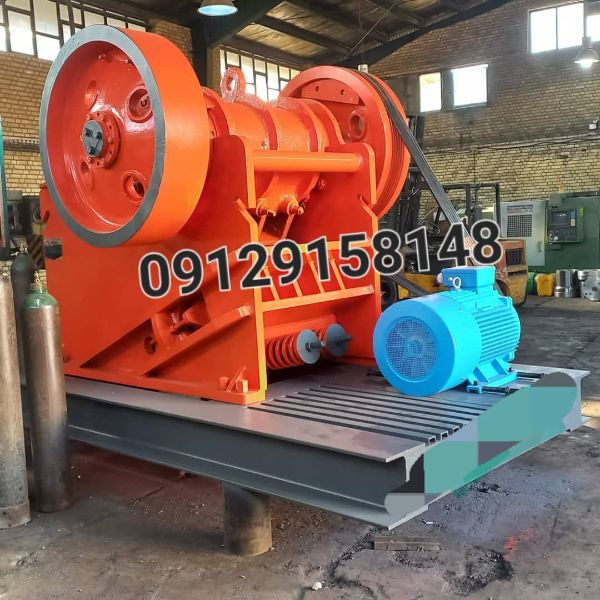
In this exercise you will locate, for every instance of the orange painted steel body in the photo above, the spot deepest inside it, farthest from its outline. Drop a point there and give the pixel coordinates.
(322, 160)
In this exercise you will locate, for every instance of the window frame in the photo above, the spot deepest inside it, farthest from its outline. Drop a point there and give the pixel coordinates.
(453, 94)
(224, 64)
(433, 110)
(447, 89)
(555, 7)
(73, 26)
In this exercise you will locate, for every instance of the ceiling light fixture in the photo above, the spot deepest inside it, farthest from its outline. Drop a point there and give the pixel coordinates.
(586, 56)
(217, 8)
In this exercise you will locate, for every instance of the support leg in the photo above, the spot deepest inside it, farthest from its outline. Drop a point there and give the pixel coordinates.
(247, 521)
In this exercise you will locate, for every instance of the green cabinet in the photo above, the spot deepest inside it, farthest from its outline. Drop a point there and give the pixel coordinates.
(573, 231)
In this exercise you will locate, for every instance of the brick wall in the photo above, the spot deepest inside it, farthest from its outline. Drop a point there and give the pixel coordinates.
(533, 136)
(214, 75)
(22, 81)
(182, 37)
(179, 35)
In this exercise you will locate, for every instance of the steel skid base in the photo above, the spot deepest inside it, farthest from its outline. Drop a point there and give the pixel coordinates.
(339, 439)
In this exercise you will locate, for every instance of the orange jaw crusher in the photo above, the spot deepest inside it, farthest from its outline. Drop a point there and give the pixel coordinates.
(140, 159)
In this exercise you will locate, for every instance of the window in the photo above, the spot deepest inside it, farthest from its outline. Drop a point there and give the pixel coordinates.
(453, 88)
(40, 27)
(263, 79)
(470, 85)
(593, 27)
(430, 88)
(542, 30)
(560, 27)
(19, 31)
(569, 25)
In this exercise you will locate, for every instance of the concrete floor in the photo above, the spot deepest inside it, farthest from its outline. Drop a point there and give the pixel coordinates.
(530, 529)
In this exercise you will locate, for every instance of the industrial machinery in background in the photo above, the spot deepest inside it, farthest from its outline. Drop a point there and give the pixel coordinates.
(589, 283)
(526, 219)
(20, 221)
(561, 233)
(574, 283)
(563, 241)
(472, 205)
(25, 225)
(573, 231)
(325, 159)
(511, 269)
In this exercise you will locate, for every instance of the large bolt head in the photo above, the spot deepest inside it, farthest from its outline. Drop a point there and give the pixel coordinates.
(92, 137)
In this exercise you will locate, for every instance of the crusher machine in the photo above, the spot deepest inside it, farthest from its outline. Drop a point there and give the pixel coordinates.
(272, 388)
(164, 165)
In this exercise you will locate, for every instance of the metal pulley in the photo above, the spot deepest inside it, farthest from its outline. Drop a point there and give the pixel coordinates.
(123, 131)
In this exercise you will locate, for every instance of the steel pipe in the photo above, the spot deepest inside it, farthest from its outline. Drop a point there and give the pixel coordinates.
(308, 162)
(14, 500)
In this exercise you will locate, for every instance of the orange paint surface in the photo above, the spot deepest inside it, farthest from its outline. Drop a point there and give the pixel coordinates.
(323, 160)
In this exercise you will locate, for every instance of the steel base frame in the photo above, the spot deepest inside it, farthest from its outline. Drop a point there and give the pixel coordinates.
(339, 439)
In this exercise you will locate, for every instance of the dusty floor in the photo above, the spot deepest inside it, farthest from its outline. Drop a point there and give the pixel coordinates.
(530, 530)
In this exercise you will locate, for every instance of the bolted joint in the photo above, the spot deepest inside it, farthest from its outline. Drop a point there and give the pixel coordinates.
(93, 138)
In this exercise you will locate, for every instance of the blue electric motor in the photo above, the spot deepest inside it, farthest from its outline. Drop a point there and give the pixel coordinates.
(468, 333)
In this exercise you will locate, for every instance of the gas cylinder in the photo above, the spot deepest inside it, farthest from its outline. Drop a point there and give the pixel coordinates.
(46, 397)
(14, 501)
(21, 274)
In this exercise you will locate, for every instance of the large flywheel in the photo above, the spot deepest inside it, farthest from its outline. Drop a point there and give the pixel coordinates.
(124, 136)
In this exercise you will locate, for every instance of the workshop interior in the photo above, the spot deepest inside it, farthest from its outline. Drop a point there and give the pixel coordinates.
(295, 250)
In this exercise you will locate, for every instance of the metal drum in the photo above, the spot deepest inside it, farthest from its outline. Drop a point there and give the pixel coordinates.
(565, 287)
(590, 284)
(582, 275)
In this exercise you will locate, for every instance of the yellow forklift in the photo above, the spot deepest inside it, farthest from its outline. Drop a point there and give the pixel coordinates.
(511, 269)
